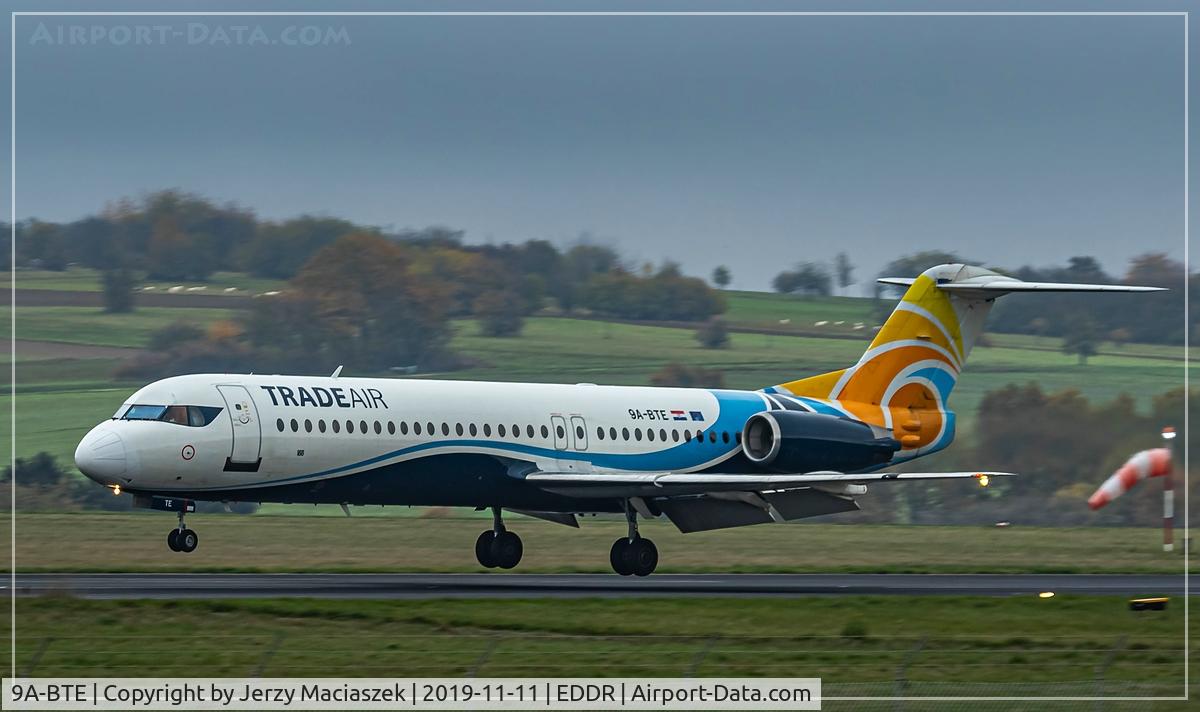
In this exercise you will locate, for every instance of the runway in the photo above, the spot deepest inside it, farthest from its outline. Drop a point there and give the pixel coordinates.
(492, 585)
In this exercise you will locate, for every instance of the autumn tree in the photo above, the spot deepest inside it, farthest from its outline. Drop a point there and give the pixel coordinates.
(807, 278)
(713, 334)
(118, 290)
(1081, 338)
(500, 313)
(843, 270)
(685, 376)
(358, 301)
(721, 277)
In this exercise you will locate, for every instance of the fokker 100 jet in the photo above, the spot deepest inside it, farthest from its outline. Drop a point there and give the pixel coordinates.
(703, 458)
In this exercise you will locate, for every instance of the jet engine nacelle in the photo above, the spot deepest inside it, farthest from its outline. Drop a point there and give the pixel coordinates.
(796, 441)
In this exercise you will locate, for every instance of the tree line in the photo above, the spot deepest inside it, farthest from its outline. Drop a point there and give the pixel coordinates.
(176, 236)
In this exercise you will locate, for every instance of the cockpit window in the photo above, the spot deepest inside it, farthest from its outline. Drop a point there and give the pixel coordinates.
(201, 415)
(144, 412)
(196, 416)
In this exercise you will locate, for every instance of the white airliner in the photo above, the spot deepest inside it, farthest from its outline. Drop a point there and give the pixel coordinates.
(704, 458)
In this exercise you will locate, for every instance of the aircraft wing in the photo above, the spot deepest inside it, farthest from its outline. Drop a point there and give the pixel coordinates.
(667, 484)
(702, 502)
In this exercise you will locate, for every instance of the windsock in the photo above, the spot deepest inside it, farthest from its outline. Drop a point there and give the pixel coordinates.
(1147, 463)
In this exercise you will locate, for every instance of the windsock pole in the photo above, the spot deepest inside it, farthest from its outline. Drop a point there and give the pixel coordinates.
(1168, 434)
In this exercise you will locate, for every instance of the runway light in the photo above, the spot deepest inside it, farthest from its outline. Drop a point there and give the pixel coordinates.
(1046, 594)
(984, 480)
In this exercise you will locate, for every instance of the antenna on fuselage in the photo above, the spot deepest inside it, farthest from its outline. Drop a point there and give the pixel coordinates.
(337, 372)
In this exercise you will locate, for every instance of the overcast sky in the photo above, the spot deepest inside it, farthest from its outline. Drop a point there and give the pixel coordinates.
(751, 142)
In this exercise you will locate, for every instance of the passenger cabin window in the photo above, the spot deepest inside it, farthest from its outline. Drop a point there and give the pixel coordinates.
(196, 416)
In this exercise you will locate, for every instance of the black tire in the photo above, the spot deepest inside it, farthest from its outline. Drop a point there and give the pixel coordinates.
(173, 539)
(507, 550)
(621, 556)
(483, 550)
(645, 557)
(188, 541)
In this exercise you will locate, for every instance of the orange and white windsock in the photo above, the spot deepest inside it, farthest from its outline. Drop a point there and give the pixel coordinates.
(1145, 464)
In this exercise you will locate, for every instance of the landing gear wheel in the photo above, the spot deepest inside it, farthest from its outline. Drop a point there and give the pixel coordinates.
(173, 539)
(621, 556)
(483, 549)
(645, 557)
(506, 550)
(187, 541)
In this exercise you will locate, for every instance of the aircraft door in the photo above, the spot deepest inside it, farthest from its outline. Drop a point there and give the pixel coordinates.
(245, 452)
(579, 432)
(559, 425)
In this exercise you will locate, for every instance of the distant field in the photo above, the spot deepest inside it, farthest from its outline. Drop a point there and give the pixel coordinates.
(84, 325)
(768, 310)
(83, 279)
(857, 645)
(433, 540)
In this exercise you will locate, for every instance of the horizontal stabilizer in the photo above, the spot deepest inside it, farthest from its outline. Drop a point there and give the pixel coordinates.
(1015, 285)
(993, 285)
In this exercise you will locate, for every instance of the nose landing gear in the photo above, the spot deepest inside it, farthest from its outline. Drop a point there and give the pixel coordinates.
(182, 539)
(498, 548)
(633, 555)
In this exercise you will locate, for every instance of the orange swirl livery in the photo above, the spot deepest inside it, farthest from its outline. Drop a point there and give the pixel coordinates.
(903, 381)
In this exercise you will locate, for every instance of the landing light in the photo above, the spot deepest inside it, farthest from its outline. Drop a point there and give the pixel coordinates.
(116, 489)
(1046, 594)
(984, 480)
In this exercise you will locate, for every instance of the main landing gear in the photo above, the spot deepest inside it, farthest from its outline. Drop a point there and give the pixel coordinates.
(182, 539)
(498, 547)
(633, 555)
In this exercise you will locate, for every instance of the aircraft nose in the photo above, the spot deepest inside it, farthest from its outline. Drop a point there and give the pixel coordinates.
(101, 455)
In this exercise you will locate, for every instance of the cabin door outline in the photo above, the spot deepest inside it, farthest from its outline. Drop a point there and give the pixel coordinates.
(245, 446)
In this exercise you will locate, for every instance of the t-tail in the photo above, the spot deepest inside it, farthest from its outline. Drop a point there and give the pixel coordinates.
(904, 379)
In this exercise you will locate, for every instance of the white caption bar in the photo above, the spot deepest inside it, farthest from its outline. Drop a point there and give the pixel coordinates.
(591, 693)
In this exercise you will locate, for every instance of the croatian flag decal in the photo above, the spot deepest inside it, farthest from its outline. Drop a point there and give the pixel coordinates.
(678, 415)
(697, 415)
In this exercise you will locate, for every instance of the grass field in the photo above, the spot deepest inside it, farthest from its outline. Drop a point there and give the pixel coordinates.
(858, 645)
(83, 325)
(136, 541)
